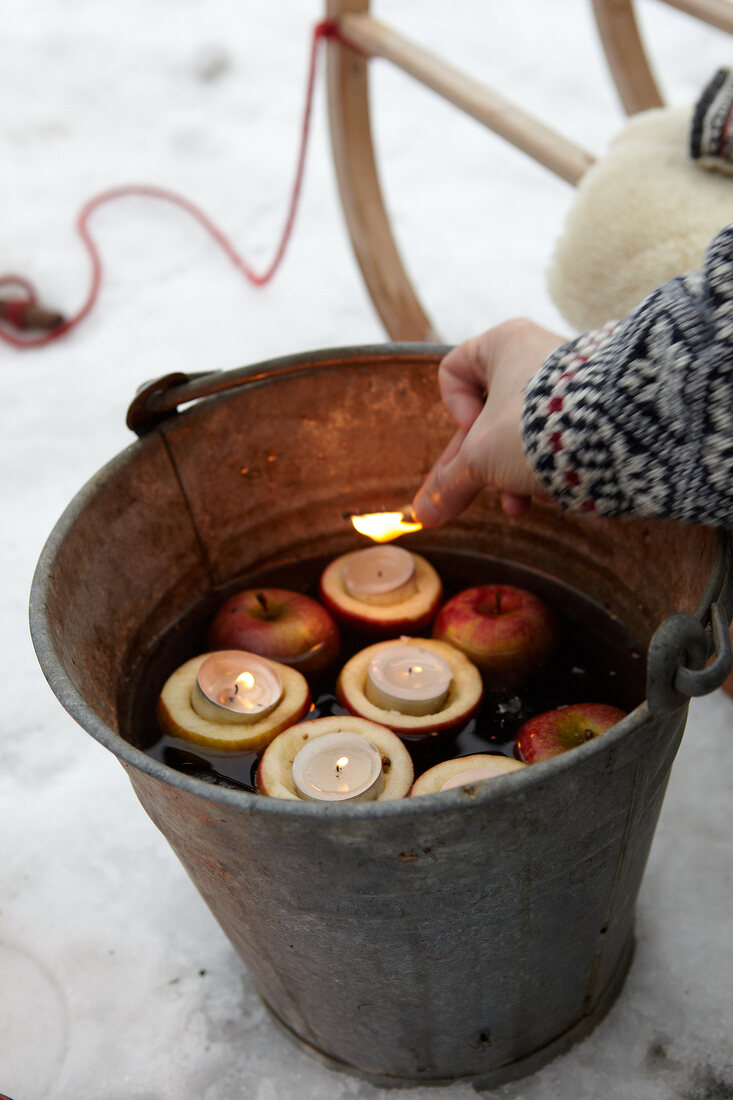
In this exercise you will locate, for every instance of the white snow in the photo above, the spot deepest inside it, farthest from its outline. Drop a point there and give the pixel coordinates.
(115, 982)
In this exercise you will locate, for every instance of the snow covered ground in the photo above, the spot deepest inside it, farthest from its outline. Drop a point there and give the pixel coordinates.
(115, 982)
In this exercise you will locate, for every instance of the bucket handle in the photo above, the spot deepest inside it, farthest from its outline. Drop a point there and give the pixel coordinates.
(157, 400)
(683, 644)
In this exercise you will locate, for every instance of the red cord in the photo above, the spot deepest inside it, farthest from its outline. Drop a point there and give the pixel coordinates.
(12, 310)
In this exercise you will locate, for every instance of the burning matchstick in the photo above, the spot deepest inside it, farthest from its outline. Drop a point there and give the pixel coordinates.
(385, 526)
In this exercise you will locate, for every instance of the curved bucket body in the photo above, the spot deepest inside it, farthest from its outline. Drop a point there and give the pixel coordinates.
(472, 934)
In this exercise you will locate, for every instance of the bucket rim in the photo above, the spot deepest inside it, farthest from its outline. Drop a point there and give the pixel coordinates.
(73, 702)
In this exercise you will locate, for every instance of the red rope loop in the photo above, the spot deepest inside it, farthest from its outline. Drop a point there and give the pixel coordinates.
(13, 309)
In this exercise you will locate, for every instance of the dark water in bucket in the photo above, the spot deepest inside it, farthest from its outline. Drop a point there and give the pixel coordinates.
(597, 660)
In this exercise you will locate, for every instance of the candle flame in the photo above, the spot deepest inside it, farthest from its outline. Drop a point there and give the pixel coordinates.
(342, 762)
(384, 526)
(246, 679)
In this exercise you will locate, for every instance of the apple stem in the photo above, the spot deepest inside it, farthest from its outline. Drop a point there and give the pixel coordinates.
(588, 735)
(261, 599)
(497, 599)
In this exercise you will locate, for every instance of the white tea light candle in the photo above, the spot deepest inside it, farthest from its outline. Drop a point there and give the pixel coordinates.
(408, 679)
(381, 574)
(235, 686)
(338, 767)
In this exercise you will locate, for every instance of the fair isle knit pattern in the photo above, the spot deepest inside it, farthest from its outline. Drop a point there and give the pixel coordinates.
(637, 418)
(711, 131)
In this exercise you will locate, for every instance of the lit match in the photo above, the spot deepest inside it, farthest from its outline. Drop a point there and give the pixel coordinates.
(385, 526)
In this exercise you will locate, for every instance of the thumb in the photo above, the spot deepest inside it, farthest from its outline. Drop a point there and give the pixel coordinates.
(448, 489)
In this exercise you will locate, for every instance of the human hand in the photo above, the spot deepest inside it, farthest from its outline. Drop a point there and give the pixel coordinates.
(482, 383)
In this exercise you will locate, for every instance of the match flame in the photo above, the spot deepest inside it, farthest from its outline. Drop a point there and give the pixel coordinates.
(384, 526)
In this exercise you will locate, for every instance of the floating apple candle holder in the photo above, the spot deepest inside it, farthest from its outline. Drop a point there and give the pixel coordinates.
(231, 700)
(459, 702)
(558, 731)
(382, 589)
(336, 759)
(279, 624)
(507, 632)
(462, 771)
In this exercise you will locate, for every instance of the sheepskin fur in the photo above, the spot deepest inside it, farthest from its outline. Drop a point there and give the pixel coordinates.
(644, 213)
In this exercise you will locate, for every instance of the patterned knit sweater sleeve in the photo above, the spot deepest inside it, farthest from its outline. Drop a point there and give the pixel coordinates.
(637, 418)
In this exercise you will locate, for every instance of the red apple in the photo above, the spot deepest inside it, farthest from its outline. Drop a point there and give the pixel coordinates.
(406, 611)
(274, 622)
(556, 731)
(508, 633)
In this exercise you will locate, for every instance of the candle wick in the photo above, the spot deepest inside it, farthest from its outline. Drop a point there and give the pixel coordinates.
(236, 688)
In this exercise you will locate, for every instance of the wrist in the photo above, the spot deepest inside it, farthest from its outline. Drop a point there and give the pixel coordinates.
(557, 421)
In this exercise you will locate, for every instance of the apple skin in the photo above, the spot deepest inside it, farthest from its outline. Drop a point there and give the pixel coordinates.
(557, 731)
(507, 632)
(285, 626)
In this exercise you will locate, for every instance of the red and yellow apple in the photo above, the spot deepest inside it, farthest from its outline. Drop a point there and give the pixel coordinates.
(284, 626)
(507, 632)
(410, 606)
(557, 731)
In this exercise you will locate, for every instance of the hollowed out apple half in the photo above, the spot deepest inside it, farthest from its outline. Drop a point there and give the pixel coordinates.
(177, 717)
(275, 773)
(472, 767)
(410, 612)
(464, 693)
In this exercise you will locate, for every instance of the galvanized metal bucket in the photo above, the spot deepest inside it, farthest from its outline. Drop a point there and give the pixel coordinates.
(474, 934)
